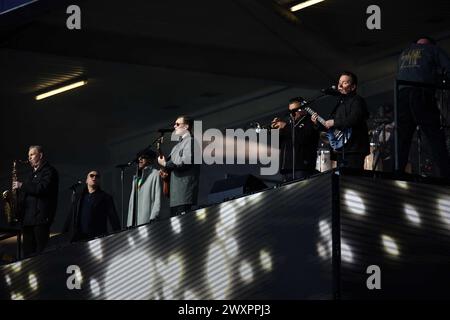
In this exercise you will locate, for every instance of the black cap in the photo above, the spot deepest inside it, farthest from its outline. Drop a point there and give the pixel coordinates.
(147, 154)
(302, 101)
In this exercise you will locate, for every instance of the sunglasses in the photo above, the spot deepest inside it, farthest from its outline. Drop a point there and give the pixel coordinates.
(94, 175)
(178, 124)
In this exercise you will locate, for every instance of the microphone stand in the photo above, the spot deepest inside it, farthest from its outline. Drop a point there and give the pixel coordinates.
(292, 120)
(419, 149)
(379, 149)
(344, 137)
(122, 168)
(136, 196)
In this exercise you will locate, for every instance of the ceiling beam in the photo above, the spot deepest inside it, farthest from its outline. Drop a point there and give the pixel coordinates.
(43, 38)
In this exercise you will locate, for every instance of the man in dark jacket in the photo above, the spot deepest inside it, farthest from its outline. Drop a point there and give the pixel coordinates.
(39, 196)
(350, 112)
(421, 62)
(90, 211)
(298, 142)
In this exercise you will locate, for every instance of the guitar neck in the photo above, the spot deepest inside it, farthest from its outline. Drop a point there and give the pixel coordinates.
(158, 149)
(319, 118)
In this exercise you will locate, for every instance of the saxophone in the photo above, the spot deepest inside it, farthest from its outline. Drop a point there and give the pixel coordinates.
(11, 199)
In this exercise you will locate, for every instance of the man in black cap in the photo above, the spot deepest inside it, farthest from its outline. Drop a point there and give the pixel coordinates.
(149, 186)
(298, 142)
(90, 211)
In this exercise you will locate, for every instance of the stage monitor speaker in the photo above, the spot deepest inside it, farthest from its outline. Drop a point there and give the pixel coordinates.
(234, 186)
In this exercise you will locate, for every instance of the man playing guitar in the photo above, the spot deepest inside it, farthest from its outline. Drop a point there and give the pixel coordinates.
(349, 113)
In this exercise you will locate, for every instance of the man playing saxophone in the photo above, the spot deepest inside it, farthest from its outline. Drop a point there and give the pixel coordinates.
(38, 196)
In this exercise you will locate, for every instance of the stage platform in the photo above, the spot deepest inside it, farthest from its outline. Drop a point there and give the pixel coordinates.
(338, 235)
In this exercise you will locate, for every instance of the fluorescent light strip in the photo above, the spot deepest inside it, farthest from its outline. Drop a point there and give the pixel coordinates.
(19, 6)
(62, 89)
(305, 4)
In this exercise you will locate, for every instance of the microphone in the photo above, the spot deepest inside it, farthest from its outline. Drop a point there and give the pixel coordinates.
(257, 128)
(255, 125)
(128, 164)
(165, 130)
(76, 184)
(331, 91)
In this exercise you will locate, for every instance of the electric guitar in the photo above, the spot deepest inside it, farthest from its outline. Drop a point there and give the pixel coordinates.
(338, 138)
(163, 173)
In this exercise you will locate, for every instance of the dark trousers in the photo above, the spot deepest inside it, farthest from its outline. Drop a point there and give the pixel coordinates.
(176, 211)
(417, 107)
(35, 239)
(351, 160)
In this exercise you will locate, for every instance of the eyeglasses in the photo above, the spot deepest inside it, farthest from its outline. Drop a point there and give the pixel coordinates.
(94, 175)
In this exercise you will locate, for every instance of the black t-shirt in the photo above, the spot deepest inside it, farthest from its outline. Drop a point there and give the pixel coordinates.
(422, 63)
(85, 216)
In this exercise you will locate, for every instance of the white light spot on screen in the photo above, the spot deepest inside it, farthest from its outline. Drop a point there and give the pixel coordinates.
(255, 198)
(17, 296)
(160, 265)
(246, 272)
(95, 288)
(346, 252)
(326, 233)
(265, 260)
(221, 232)
(444, 209)
(324, 229)
(32, 281)
(227, 216)
(322, 251)
(78, 275)
(325, 244)
(390, 246)
(8, 280)
(176, 225)
(354, 202)
(95, 247)
(143, 232)
(16, 267)
(218, 272)
(168, 293)
(175, 270)
(189, 295)
(131, 241)
(201, 214)
(171, 273)
(231, 247)
(240, 203)
(402, 184)
(412, 214)
(129, 276)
